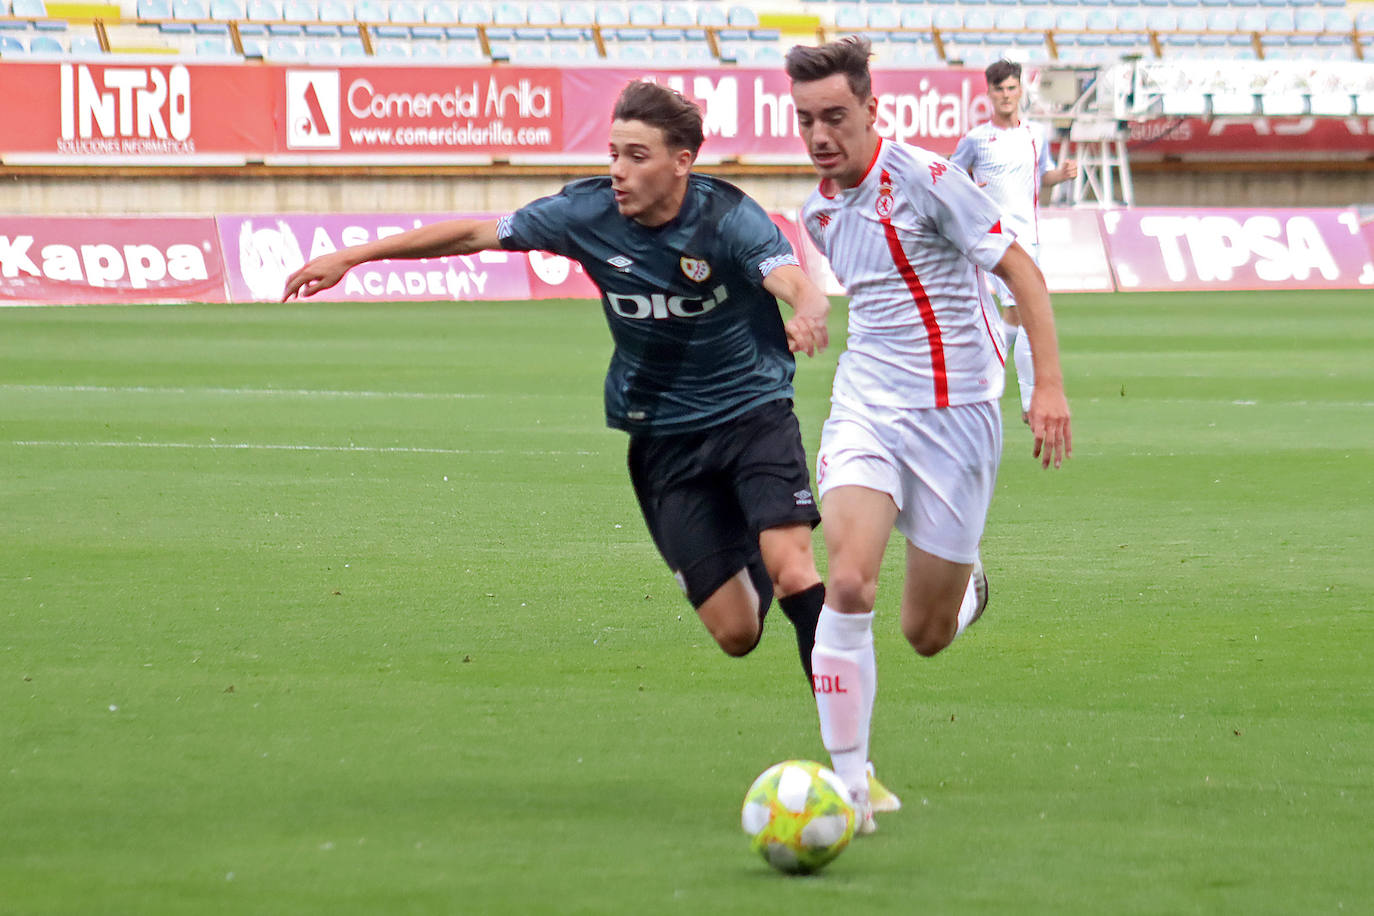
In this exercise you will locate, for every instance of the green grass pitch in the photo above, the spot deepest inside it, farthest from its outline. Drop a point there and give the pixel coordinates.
(348, 609)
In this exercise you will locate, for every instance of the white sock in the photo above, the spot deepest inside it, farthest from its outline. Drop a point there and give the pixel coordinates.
(969, 606)
(1009, 335)
(846, 679)
(1025, 369)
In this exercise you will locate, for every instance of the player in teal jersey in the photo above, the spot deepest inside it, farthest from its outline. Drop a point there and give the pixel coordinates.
(690, 271)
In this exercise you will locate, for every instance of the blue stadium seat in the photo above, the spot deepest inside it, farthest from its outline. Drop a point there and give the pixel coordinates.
(440, 14)
(743, 17)
(947, 17)
(146, 9)
(462, 52)
(505, 12)
(711, 16)
(195, 9)
(542, 13)
(287, 49)
(399, 11)
(678, 14)
(916, 17)
(474, 13)
(332, 11)
(86, 46)
(46, 46)
(611, 14)
(647, 14)
(35, 11)
(577, 14)
(214, 46)
(9, 45)
(1041, 20)
(978, 18)
(850, 17)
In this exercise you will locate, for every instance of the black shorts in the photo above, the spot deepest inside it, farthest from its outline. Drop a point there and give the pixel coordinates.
(706, 495)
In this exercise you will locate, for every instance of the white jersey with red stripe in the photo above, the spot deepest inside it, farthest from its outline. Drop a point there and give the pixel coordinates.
(1008, 163)
(907, 243)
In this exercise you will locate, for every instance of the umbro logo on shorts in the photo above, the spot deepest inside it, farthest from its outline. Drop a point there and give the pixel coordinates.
(804, 498)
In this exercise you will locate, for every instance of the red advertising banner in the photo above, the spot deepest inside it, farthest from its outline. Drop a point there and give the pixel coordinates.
(749, 113)
(88, 260)
(148, 111)
(1251, 138)
(136, 112)
(262, 251)
(1159, 249)
(418, 113)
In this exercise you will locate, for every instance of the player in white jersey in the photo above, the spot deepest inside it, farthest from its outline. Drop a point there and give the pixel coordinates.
(1010, 159)
(914, 435)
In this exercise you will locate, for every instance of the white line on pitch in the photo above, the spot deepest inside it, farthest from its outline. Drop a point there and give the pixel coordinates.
(252, 392)
(276, 447)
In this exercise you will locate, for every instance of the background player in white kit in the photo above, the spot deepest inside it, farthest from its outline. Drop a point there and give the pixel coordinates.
(914, 435)
(1009, 158)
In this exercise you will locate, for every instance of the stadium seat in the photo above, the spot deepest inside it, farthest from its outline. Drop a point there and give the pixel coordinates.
(916, 17)
(9, 45)
(193, 10)
(474, 13)
(36, 12)
(979, 21)
(46, 46)
(86, 46)
(850, 17)
(332, 11)
(1040, 20)
(678, 14)
(214, 46)
(611, 14)
(743, 17)
(712, 17)
(287, 49)
(505, 12)
(947, 17)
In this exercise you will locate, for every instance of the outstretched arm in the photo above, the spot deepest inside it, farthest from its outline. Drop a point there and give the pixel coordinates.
(806, 329)
(1049, 409)
(451, 237)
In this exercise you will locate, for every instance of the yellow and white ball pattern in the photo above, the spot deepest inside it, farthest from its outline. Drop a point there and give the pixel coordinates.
(798, 816)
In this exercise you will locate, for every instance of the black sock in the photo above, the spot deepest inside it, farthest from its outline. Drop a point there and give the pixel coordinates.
(804, 608)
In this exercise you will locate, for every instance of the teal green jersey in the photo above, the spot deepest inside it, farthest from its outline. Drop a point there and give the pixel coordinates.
(698, 340)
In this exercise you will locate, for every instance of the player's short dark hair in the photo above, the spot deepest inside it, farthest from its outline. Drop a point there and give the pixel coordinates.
(849, 56)
(658, 106)
(1002, 69)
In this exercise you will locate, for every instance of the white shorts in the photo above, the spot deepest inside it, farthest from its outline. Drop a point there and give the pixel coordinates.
(939, 465)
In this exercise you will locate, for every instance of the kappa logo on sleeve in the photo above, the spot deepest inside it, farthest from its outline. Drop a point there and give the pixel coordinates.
(312, 109)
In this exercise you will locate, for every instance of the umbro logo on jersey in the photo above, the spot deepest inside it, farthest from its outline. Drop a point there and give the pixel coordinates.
(620, 263)
(804, 498)
(695, 269)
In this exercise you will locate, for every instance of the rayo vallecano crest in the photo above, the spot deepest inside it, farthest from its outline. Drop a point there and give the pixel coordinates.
(695, 269)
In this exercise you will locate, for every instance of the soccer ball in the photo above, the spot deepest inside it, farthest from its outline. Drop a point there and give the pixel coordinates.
(798, 816)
